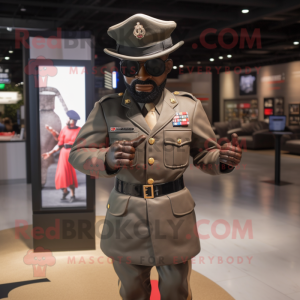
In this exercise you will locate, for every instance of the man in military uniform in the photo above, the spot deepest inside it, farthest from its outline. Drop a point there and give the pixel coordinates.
(150, 218)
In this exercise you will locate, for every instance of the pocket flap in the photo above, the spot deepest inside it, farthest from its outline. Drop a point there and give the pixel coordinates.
(182, 202)
(177, 137)
(117, 203)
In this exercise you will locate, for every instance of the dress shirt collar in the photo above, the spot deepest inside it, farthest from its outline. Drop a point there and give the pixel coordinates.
(158, 103)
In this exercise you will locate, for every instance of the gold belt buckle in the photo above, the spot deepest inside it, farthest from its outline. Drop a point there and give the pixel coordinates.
(148, 191)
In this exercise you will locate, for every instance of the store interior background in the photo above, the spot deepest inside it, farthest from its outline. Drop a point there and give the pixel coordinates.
(212, 76)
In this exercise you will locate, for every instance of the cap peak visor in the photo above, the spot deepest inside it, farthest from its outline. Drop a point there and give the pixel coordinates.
(114, 53)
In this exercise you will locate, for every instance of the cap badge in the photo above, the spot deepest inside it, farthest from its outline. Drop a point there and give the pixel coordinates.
(139, 31)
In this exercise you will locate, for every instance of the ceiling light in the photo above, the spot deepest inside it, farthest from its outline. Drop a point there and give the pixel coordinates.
(245, 11)
(198, 62)
(22, 82)
(6, 57)
(180, 66)
(6, 70)
(229, 55)
(174, 67)
(211, 59)
(23, 9)
(296, 43)
(9, 28)
(220, 57)
(11, 51)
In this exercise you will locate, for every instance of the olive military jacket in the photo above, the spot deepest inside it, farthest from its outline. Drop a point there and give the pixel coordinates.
(161, 230)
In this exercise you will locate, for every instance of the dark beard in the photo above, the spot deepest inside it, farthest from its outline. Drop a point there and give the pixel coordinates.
(145, 97)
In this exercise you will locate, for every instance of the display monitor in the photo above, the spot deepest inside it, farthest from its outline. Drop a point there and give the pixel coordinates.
(277, 123)
(61, 99)
(62, 114)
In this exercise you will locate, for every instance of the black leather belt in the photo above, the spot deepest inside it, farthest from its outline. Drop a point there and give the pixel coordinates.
(149, 190)
(67, 146)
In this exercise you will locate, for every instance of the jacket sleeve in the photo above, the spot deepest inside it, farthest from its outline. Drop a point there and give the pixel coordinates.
(88, 152)
(204, 148)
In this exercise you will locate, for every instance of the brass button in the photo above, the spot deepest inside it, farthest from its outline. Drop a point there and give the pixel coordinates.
(179, 141)
(151, 161)
(108, 205)
(176, 93)
(127, 101)
(150, 181)
(120, 94)
(151, 141)
(173, 100)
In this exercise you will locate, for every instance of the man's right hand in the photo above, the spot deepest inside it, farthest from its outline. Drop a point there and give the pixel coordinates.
(122, 153)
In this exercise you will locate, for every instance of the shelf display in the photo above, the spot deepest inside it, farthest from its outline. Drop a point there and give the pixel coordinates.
(273, 107)
(244, 110)
(294, 113)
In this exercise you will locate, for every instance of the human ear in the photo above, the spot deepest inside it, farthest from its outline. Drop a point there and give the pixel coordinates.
(169, 66)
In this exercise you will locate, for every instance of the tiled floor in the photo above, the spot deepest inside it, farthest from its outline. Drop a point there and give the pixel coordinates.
(265, 266)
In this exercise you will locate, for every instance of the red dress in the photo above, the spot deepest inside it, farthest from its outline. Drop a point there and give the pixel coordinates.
(65, 173)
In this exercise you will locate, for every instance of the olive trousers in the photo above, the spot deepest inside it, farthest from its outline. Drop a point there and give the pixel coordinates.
(134, 281)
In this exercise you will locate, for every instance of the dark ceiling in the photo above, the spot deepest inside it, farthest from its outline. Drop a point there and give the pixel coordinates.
(277, 22)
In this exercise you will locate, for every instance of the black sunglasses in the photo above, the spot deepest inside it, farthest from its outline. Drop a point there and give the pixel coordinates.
(154, 67)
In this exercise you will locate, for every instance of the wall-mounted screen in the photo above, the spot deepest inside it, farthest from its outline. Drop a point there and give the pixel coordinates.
(62, 111)
(248, 84)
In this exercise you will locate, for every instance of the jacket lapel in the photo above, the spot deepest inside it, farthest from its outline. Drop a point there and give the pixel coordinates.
(167, 112)
(134, 113)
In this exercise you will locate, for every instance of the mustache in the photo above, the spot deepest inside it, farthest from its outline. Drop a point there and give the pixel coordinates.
(148, 81)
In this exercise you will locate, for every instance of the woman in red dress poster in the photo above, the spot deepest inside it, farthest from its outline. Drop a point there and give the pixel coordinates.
(65, 174)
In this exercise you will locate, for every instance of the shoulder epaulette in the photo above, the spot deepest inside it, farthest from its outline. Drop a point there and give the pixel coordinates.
(110, 96)
(185, 94)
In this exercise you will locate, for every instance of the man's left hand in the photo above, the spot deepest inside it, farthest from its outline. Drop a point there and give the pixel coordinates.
(231, 153)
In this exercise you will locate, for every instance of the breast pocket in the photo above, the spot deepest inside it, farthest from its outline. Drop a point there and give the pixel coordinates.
(177, 148)
(124, 136)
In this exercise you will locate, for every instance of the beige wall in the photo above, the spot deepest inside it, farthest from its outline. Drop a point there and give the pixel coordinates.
(200, 85)
(282, 80)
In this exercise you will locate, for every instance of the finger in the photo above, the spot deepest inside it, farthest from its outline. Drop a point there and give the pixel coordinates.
(230, 159)
(228, 146)
(123, 162)
(136, 142)
(230, 153)
(234, 139)
(126, 149)
(227, 163)
(124, 155)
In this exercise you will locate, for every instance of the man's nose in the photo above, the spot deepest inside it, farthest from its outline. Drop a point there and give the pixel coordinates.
(143, 75)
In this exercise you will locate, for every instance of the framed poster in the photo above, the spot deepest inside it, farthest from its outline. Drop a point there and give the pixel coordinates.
(63, 98)
(248, 84)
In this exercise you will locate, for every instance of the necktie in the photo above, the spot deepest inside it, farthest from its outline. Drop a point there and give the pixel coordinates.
(150, 116)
